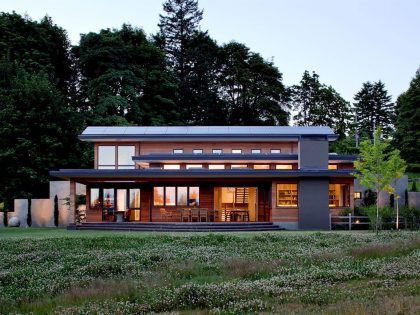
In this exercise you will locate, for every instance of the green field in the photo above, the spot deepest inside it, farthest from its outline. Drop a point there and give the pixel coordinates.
(80, 272)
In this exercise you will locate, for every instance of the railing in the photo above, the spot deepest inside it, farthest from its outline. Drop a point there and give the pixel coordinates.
(350, 221)
(358, 222)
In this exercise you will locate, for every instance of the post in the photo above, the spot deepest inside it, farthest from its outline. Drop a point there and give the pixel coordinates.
(330, 221)
(349, 221)
(398, 214)
(73, 199)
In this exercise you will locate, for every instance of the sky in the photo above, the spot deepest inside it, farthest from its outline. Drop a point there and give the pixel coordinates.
(345, 42)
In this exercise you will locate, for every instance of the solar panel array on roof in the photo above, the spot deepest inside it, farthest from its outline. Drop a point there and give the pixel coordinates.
(211, 130)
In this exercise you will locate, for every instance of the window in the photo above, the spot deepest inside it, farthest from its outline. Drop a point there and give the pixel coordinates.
(193, 166)
(106, 157)
(158, 196)
(275, 151)
(236, 166)
(332, 166)
(125, 156)
(181, 196)
(357, 195)
(134, 198)
(198, 151)
(170, 196)
(121, 199)
(236, 151)
(171, 166)
(110, 155)
(339, 195)
(216, 166)
(284, 166)
(194, 196)
(95, 201)
(108, 198)
(255, 151)
(178, 151)
(261, 166)
(287, 195)
(217, 151)
(176, 196)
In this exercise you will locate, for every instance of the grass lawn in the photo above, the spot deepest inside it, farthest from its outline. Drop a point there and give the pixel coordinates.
(81, 272)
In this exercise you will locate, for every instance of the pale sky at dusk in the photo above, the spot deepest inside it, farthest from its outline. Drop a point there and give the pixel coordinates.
(345, 42)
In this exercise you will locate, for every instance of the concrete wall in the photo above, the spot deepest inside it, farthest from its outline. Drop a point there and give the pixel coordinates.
(314, 213)
(42, 210)
(313, 153)
(414, 199)
(400, 188)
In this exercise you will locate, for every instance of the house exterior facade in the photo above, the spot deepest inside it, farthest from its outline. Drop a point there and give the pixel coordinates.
(283, 175)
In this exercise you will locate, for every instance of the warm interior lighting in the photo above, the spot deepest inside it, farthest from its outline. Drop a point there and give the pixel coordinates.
(332, 166)
(284, 166)
(261, 166)
(357, 195)
(216, 166)
(171, 166)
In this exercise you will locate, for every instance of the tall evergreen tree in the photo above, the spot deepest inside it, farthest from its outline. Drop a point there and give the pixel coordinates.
(407, 135)
(124, 79)
(374, 109)
(316, 104)
(179, 38)
(251, 88)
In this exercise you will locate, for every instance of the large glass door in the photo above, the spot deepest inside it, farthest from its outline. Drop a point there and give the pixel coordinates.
(237, 204)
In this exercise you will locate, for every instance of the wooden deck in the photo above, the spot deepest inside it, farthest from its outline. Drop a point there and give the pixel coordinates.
(178, 226)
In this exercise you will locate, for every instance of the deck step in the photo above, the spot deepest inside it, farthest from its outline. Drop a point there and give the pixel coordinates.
(178, 226)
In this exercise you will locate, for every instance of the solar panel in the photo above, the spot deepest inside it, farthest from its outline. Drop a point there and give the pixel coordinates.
(211, 130)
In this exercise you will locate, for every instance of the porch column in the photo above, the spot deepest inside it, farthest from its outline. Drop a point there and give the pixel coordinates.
(73, 199)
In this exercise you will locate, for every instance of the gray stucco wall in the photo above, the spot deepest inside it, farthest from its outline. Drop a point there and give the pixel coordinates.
(314, 213)
(400, 186)
(313, 153)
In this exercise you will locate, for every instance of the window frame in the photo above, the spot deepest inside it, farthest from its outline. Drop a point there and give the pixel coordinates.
(278, 205)
(240, 151)
(200, 151)
(217, 168)
(263, 168)
(221, 151)
(284, 169)
(174, 151)
(176, 196)
(252, 151)
(116, 164)
(271, 151)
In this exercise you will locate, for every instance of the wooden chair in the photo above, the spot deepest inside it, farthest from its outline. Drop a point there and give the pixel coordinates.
(195, 214)
(245, 216)
(185, 214)
(164, 215)
(203, 215)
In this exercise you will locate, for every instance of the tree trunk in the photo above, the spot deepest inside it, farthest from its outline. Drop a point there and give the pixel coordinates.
(377, 212)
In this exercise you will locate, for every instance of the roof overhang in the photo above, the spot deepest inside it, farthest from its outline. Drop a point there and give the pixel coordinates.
(147, 174)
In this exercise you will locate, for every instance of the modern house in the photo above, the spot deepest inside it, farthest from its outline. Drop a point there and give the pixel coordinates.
(283, 175)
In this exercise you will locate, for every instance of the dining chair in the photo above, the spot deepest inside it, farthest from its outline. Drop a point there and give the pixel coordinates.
(163, 214)
(185, 214)
(203, 215)
(195, 214)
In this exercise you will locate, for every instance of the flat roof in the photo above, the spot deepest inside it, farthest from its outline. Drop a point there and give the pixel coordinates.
(152, 174)
(115, 133)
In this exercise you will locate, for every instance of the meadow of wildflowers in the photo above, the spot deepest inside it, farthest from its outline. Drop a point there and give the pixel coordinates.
(75, 272)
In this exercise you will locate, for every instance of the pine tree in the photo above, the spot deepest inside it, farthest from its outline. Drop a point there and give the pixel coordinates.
(177, 26)
(374, 109)
(407, 135)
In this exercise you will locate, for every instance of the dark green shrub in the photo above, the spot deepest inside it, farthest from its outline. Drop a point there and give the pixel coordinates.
(56, 213)
(386, 215)
(29, 217)
(414, 186)
(369, 198)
